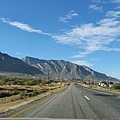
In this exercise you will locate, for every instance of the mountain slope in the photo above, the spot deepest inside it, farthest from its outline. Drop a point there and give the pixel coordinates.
(64, 69)
(11, 64)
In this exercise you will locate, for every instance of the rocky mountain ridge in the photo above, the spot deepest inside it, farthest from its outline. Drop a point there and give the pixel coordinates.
(11, 64)
(60, 69)
(54, 69)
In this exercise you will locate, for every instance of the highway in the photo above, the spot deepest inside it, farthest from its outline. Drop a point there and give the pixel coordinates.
(76, 102)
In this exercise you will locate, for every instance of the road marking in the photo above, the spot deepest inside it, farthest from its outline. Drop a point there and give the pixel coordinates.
(98, 91)
(87, 97)
(34, 105)
(80, 91)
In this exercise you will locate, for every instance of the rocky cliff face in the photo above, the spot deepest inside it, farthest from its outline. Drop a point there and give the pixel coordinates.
(65, 70)
(54, 68)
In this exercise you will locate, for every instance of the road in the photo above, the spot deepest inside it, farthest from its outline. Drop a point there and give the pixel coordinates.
(76, 102)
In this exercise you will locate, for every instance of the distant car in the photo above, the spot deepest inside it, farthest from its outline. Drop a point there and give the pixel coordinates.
(103, 85)
(51, 80)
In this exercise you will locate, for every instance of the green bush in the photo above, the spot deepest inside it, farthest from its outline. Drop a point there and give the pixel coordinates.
(43, 82)
(116, 86)
(15, 92)
(20, 81)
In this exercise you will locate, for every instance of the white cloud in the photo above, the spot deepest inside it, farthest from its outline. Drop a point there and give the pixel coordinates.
(93, 37)
(118, 8)
(108, 22)
(96, 8)
(114, 14)
(88, 37)
(115, 1)
(69, 16)
(82, 54)
(19, 53)
(22, 26)
(100, 1)
(97, 1)
(86, 63)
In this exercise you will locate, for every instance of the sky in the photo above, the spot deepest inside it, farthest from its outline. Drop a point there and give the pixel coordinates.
(85, 32)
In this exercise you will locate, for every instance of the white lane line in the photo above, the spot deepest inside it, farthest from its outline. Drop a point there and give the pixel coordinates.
(87, 97)
(99, 92)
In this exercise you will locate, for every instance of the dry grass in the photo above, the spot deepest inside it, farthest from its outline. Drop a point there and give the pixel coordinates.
(100, 88)
(15, 101)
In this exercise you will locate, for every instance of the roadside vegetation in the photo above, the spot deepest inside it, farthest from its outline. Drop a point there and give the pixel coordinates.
(116, 86)
(24, 87)
(18, 91)
(95, 85)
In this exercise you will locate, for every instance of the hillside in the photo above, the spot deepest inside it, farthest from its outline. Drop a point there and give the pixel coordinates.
(54, 69)
(65, 70)
(11, 64)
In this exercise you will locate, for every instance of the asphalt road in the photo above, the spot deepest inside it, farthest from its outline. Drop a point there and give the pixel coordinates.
(76, 102)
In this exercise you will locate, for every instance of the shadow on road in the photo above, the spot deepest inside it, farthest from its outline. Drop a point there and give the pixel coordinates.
(105, 95)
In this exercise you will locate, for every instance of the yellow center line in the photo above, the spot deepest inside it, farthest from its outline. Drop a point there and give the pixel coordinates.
(24, 110)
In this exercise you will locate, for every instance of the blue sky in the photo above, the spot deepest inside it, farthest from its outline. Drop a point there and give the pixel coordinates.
(86, 32)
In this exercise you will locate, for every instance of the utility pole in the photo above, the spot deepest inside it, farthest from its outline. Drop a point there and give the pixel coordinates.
(109, 83)
(94, 83)
(48, 75)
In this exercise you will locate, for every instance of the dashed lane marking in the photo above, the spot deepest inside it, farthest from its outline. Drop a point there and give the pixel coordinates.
(80, 91)
(87, 97)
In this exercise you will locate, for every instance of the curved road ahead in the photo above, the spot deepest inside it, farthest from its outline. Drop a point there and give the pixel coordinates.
(76, 102)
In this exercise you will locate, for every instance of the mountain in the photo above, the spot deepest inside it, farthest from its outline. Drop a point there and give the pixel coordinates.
(65, 70)
(11, 64)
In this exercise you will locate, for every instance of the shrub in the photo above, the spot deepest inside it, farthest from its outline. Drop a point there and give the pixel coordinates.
(15, 92)
(116, 86)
